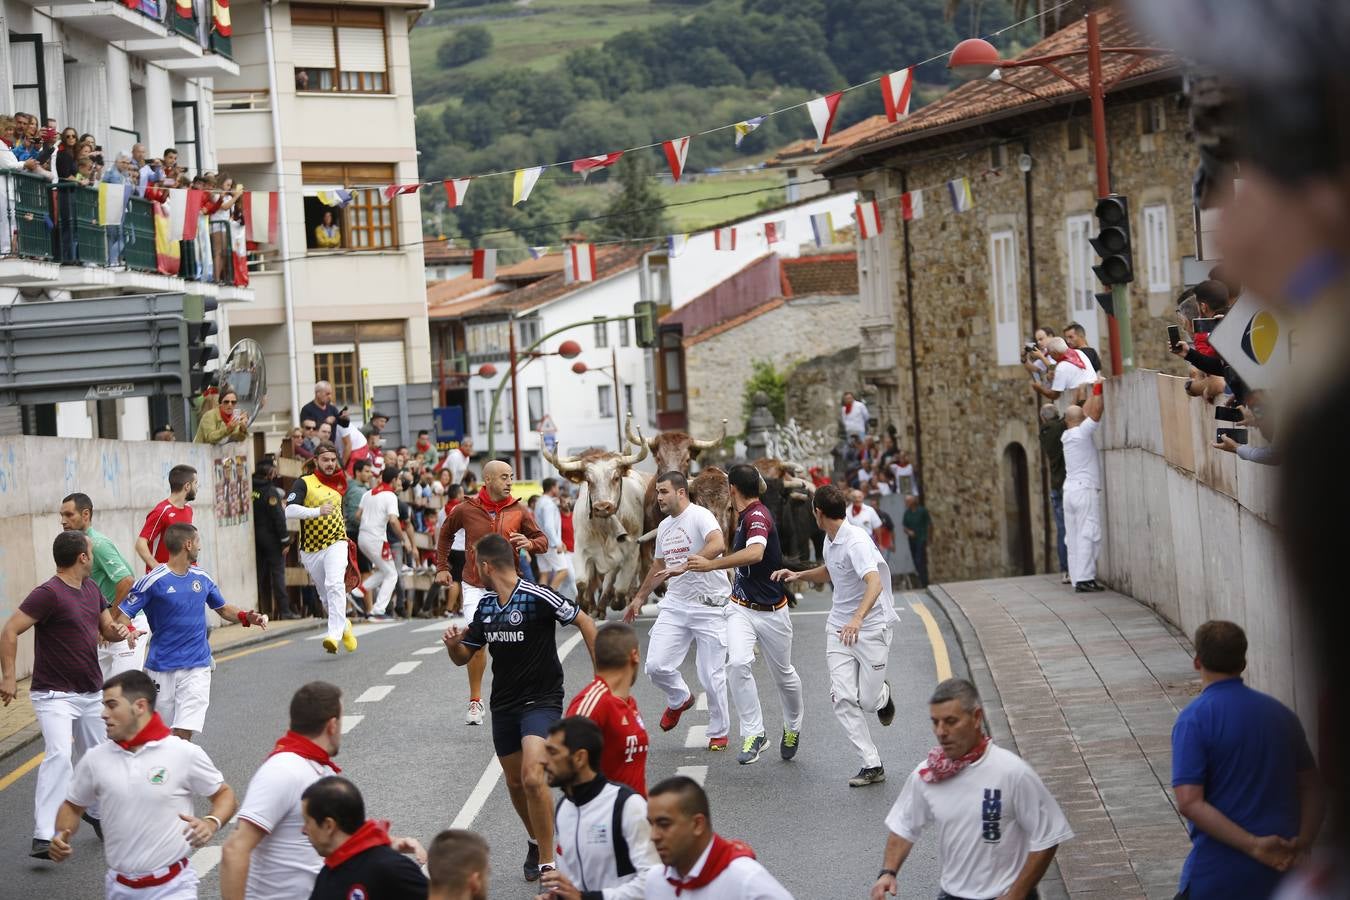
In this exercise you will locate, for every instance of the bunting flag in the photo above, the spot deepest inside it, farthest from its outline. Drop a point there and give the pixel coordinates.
(524, 183)
(538, 252)
(338, 197)
(185, 208)
(397, 190)
(239, 252)
(724, 239)
(581, 262)
(822, 110)
(220, 18)
(484, 264)
(959, 190)
(911, 205)
(675, 244)
(869, 219)
(183, 8)
(676, 151)
(112, 202)
(775, 231)
(455, 189)
(895, 91)
(822, 228)
(744, 128)
(586, 166)
(260, 216)
(168, 257)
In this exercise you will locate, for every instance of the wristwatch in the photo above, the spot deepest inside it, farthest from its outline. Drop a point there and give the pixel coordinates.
(884, 872)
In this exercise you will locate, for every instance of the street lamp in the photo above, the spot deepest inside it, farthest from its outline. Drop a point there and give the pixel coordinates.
(975, 58)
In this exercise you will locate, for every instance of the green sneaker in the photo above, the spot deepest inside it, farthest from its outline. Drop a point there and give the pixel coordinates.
(788, 746)
(751, 749)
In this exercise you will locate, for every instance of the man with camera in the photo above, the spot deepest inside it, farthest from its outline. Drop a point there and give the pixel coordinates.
(1073, 372)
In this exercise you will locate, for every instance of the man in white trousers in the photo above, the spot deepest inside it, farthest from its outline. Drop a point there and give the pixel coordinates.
(316, 500)
(144, 779)
(378, 513)
(757, 615)
(553, 561)
(693, 610)
(859, 629)
(113, 576)
(1083, 492)
(70, 616)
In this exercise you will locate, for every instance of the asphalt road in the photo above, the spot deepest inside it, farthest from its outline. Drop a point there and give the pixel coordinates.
(417, 764)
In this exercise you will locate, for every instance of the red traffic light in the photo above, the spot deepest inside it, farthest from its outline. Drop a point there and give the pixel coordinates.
(579, 367)
(569, 349)
(487, 370)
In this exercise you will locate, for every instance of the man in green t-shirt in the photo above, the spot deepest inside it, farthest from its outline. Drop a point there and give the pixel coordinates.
(114, 579)
(918, 527)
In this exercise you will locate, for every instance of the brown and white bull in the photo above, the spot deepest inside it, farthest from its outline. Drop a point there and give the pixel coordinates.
(673, 451)
(607, 521)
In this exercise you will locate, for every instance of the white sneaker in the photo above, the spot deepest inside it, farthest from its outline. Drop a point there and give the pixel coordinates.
(475, 714)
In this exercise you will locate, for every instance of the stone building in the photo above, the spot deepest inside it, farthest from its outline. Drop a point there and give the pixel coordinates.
(949, 298)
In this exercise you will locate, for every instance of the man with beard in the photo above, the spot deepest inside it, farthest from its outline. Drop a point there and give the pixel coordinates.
(316, 500)
(170, 511)
(114, 579)
(179, 661)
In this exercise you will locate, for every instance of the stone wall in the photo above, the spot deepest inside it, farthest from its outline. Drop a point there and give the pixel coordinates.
(720, 361)
(815, 386)
(973, 411)
(125, 479)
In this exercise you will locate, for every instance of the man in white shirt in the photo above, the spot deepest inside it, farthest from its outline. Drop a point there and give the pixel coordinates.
(700, 864)
(1083, 492)
(267, 856)
(144, 779)
(377, 513)
(859, 628)
(693, 610)
(853, 415)
(997, 826)
(1073, 372)
(457, 460)
(861, 515)
(552, 562)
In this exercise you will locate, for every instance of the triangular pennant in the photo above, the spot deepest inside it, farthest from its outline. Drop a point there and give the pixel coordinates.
(338, 197)
(959, 191)
(822, 228)
(455, 189)
(895, 92)
(822, 110)
(395, 190)
(585, 166)
(538, 252)
(911, 205)
(524, 183)
(484, 264)
(744, 128)
(676, 151)
(869, 219)
(676, 243)
(581, 259)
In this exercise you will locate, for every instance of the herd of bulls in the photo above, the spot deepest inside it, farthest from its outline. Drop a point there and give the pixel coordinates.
(615, 515)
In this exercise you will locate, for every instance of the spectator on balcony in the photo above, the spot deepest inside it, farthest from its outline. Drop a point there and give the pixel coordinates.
(321, 409)
(65, 155)
(222, 203)
(1073, 372)
(34, 147)
(1052, 430)
(9, 162)
(327, 234)
(853, 415)
(1076, 337)
(224, 423)
(290, 444)
(165, 433)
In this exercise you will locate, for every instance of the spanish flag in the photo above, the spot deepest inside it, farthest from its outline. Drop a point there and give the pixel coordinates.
(220, 17)
(184, 8)
(167, 258)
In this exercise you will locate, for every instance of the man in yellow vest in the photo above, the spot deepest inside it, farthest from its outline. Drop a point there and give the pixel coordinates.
(316, 500)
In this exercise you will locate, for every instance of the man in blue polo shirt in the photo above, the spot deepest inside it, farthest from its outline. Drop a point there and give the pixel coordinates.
(757, 614)
(1243, 776)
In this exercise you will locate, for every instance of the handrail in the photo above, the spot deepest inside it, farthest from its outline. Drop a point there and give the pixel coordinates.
(241, 101)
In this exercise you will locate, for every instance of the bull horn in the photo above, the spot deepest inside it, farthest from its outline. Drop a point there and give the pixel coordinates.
(635, 437)
(565, 465)
(649, 536)
(631, 459)
(708, 445)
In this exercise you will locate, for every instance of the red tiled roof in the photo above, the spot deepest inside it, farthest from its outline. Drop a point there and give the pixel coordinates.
(734, 322)
(985, 99)
(750, 286)
(438, 252)
(531, 269)
(803, 151)
(825, 273)
(610, 260)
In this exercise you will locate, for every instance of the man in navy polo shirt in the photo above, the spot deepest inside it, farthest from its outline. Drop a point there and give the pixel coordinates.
(757, 613)
(1243, 776)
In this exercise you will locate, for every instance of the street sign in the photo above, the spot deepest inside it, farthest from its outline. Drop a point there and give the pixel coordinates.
(449, 426)
(546, 425)
(110, 391)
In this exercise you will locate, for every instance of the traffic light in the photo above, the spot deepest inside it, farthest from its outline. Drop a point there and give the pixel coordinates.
(644, 314)
(199, 331)
(1112, 242)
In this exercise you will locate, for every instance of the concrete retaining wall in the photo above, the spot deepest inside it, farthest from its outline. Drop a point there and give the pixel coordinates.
(1191, 530)
(125, 479)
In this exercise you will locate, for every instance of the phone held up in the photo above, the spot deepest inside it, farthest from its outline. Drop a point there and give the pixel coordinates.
(1173, 335)
(1239, 435)
(1227, 414)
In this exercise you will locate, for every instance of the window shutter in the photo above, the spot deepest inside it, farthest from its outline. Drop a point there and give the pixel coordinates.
(1003, 287)
(312, 47)
(361, 49)
(385, 361)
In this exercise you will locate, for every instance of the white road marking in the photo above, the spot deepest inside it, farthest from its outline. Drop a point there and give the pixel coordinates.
(436, 626)
(427, 651)
(362, 630)
(403, 668)
(350, 722)
(697, 736)
(206, 859)
(375, 693)
(698, 773)
(488, 780)
(826, 612)
(701, 704)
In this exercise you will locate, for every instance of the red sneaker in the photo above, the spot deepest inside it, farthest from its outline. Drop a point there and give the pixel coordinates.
(717, 743)
(671, 717)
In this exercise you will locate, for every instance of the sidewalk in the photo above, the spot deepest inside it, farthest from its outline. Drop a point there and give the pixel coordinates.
(1090, 685)
(18, 725)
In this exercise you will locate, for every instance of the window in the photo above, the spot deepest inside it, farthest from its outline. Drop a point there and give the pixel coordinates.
(874, 279)
(628, 399)
(1003, 291)
(998, 156)
(670, 389)
(604, 400)
(487, 340)
(187, 135)
(1157, 249)
(339, 49)
(1077, 139)
(623, 333)
(367, 223)
(1082, 282)
(1153, 117)
(30, 77)
(338, 368)
(481, 403)
(601, 332)
(534, 398)
(657, 272)
(527, 332)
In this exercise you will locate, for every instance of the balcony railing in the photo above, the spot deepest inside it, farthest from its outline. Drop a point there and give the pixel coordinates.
(222, 45)
(232, 100)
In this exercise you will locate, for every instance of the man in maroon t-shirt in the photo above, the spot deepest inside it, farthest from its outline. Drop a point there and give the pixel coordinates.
(172, 511)
(71, 617)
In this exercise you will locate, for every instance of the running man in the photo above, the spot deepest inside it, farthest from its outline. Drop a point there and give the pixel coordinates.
(179, 661)
(377, 514)
(608, 702)
(114, 579)
(693, 610)
(527, 681)
(758, 614)
(316, 500)
(859, 629)
(171, 511)
(552, 562)
(491, 511)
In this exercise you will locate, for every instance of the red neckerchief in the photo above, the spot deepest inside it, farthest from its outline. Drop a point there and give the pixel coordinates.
(939, 767)
(848, 407)
(722, 854)
(494, 507)
(301, 746)
(1072, 357)
(857, 509)
(375, 833)
(424, 447)
(337, 481)
(154, 730)
(225, 417)
(382, 487)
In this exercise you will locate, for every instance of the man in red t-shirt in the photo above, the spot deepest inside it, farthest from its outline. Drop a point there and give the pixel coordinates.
(608, 702)
(172, 511)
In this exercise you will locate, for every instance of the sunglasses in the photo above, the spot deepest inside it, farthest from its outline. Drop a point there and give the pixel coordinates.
(228, 402)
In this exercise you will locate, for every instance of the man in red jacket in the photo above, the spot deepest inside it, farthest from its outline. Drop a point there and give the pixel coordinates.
(492, 511)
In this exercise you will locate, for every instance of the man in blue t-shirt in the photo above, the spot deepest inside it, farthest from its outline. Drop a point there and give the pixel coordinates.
(1243, 776)
(171, 595)
(757, 614)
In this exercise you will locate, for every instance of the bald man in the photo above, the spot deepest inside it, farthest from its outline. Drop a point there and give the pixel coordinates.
(1083, 492)
(491, 511)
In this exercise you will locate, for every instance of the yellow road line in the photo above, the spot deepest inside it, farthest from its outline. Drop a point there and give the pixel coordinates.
(258, 649)
(21, 771)
(930, 625)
